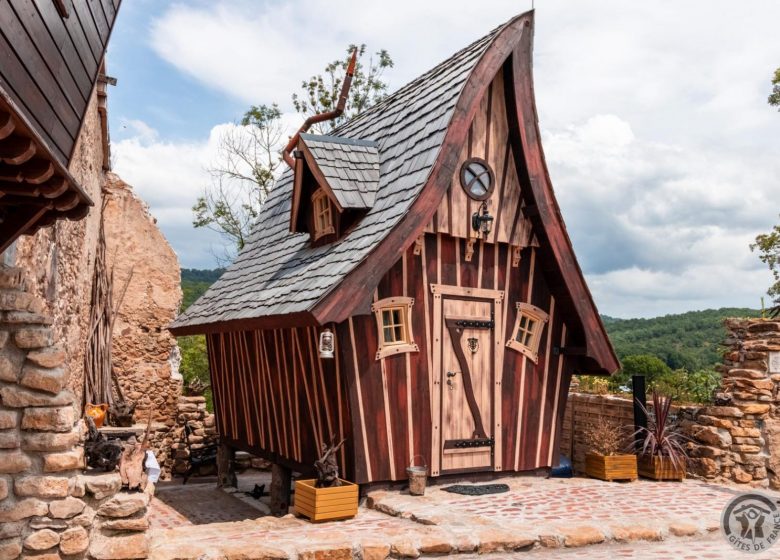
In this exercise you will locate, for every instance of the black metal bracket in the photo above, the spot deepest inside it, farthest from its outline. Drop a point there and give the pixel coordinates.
(469, 324)
(468, 443)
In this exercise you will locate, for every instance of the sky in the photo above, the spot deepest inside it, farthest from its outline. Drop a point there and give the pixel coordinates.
(663, 152)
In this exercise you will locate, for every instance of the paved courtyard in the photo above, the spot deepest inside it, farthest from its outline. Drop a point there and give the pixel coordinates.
(543, 518)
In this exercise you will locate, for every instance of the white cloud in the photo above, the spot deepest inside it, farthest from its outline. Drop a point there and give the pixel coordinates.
(659, 140)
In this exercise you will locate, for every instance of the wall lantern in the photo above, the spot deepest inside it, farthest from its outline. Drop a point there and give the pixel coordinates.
(482, 221)
(326, 344)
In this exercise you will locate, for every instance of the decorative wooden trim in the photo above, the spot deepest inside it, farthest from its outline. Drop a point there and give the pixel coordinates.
(360, 410)
(544, 384)
(388, 421)
(385, 349)
(418, 244)
(470, 252)
(556, 402)
(435, 375)
(468, 384)
(62, 8)
(541, 318)
(446, 290)
(516, 251)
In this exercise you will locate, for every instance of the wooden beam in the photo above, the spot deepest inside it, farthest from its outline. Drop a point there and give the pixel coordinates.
(36, 171)
(7, 125)
(67, 201)
(570, 351)
(16, 150)
(17, 222)
(54, 187)
(19, 189)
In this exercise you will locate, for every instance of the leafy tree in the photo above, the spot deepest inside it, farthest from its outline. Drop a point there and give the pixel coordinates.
(194, 361)
(768, 246)
(241, 178)
(249, 155)
(321, 91)
(774, 97)
(651, 367)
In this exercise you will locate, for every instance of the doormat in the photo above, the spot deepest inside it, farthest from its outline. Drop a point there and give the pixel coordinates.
(479, 490)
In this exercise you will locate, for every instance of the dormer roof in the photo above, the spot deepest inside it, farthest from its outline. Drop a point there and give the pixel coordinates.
(349, 167)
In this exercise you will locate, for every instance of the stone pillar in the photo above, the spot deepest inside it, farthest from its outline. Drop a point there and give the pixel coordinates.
(47, 506)
(281, 478)
(738, 439)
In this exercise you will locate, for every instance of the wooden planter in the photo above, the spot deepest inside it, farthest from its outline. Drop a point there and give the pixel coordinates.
(660, 468)
(326, 504)
(611, 467)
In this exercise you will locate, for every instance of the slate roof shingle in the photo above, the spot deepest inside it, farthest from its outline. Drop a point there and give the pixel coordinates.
(278, 272)
(351, 168)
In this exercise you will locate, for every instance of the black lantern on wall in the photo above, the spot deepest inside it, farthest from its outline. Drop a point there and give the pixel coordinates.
(482, 221)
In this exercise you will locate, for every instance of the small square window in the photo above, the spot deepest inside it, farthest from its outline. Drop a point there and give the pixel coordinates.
(394, 326)
(527, 333)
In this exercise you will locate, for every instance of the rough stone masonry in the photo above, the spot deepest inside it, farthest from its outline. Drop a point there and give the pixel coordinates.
(48, 506)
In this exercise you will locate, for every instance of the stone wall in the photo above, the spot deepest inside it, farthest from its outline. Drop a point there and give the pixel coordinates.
(59, 260)
(192, 411)
(146, 357)
(48, 506)
(736, 440)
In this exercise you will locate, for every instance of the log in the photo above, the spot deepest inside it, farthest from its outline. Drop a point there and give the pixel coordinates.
(280, 490)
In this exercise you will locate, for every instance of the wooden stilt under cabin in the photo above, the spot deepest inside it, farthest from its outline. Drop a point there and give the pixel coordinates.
(423, 242)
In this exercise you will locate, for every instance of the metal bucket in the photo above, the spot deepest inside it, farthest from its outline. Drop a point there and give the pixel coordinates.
(417, 478)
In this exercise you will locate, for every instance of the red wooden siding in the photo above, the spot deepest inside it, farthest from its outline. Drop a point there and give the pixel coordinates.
(395, 392)
(274, 396)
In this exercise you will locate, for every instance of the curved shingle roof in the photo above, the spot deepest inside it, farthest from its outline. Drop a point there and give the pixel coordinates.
(278, 272)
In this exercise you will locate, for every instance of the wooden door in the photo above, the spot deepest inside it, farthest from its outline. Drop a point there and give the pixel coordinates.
(466, 392)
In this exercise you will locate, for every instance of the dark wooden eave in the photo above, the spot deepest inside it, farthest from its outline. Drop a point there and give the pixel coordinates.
(35, 188)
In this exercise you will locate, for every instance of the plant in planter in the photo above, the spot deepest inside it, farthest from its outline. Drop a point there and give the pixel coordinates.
(327, 497)
(660, 445)
(604, 460)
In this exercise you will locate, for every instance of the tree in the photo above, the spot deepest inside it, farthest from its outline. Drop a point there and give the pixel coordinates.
(768, 246)
(321, 92)
(249, 153)
(242, 177)
(651, 367)
(774, 97)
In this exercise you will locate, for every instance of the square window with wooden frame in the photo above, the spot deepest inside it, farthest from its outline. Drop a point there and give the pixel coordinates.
(322, 213)
(394, 326)
(527, 334)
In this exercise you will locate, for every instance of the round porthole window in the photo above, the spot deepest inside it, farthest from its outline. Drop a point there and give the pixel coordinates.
(477, 178)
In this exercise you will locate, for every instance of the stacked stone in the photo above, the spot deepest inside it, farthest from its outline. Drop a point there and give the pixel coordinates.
(740, 440)
(191, 411)
(48, 509)
(40, 504)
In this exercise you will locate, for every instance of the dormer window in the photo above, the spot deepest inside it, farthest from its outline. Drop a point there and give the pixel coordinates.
(335, 185)
(323, 215)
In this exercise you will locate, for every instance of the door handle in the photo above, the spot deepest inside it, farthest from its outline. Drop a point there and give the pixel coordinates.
(452, 373)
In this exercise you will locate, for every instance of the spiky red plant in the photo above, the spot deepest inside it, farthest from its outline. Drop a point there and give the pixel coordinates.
(661, 438)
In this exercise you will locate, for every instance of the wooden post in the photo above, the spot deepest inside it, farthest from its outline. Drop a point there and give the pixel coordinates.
(226, 475)
(639, 392)
(281, 478)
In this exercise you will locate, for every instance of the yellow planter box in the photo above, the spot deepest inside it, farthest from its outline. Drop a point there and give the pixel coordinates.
(660, 468)
(611, 467)
(326, 504)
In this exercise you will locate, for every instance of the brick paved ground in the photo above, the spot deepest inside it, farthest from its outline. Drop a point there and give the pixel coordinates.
(549, 518)
(710, 547)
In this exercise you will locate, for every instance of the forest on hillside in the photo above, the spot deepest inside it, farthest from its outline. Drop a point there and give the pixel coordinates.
(676, 353)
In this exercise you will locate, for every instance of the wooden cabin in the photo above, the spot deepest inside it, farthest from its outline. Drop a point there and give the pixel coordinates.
(51, 60)
(425, 236)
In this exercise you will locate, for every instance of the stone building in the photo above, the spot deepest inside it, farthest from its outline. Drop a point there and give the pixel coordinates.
(55, 190)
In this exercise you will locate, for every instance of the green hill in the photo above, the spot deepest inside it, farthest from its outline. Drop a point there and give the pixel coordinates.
(195, 282)
(687, 340)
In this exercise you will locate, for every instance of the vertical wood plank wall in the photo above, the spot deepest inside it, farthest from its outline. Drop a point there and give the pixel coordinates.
(274, 396)
(395, 392)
